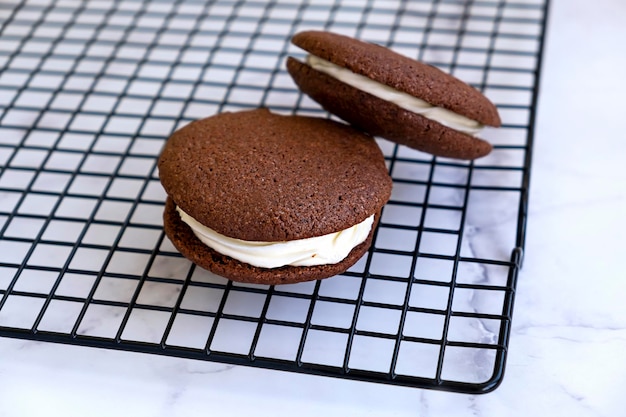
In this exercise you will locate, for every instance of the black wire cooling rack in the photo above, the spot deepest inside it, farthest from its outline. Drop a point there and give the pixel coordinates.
(89, 92)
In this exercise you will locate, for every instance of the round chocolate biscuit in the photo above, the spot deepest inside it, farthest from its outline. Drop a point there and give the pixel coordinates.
(258, 176)
(383, 118)
(197, 252)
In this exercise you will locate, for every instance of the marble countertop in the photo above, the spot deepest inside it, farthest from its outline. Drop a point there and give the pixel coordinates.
(569, 327)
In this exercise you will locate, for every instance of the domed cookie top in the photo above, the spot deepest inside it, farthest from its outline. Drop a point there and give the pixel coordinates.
(258, 176)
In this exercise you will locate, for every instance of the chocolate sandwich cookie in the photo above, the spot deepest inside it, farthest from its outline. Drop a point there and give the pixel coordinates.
(259, 197)
(390, 95)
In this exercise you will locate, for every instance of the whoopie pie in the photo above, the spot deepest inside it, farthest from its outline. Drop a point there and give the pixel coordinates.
(393, 96)
(264, 198)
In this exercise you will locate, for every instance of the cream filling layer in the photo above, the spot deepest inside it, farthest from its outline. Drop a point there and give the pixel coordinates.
(319, 250)
(406, 101)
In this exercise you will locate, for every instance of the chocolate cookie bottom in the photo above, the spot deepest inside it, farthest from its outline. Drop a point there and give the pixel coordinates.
(382, 118)
(197, 252)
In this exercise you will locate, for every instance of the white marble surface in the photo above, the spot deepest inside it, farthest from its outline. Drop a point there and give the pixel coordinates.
(569, 329)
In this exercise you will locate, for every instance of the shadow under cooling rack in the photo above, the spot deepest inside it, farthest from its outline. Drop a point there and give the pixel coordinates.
(89, 92)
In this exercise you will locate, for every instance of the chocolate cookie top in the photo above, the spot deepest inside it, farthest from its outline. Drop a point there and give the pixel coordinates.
(401, 73)
(258, 176)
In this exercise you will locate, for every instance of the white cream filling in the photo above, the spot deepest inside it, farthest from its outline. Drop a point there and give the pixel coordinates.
(319, 250)
(406, 101)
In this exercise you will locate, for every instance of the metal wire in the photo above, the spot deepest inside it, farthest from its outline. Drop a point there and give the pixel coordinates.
(90, 91)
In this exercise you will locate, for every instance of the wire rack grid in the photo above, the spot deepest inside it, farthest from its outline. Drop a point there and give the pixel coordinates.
(89, 92)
